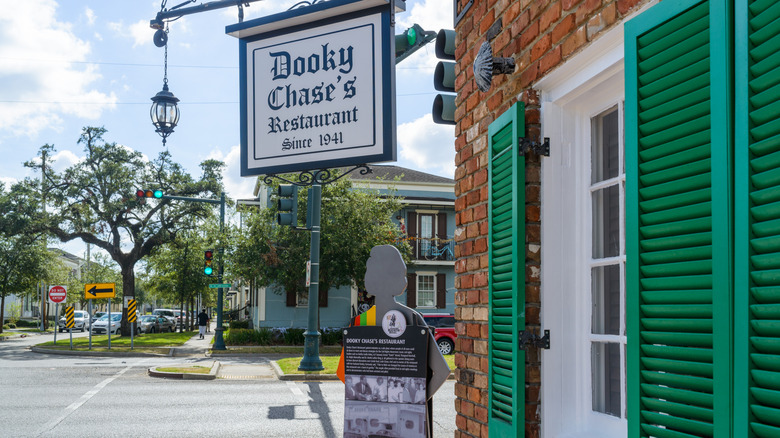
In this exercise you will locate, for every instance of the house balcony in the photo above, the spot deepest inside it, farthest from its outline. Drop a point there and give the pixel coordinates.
(432, 250)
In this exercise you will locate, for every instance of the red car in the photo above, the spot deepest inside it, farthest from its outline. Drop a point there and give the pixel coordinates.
(444, 330)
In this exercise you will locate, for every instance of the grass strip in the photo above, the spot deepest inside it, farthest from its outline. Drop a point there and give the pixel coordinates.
(196, 369)
(289, 365)
(120, 342)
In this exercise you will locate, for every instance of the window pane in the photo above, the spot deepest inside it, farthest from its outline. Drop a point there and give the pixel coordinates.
(426, 292)
(605, 370)
(605, 291)
(605, 162)
(606, 222)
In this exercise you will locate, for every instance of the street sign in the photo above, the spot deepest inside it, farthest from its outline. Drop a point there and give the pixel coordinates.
(57, 294)
(99, 290)
(219, 285)
(70, 320)
(132, 307)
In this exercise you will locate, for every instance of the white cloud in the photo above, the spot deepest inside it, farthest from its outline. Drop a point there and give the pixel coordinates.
(90, 14)
(64, 159)
(236, 186)
(8, 181)
(428, 146)
(40, 86)
(140, 32)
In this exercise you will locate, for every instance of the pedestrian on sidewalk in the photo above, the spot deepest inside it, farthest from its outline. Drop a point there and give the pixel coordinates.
(203, 321)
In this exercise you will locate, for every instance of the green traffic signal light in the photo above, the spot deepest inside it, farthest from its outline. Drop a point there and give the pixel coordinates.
(208, 255)
(158, 194)
(411, 36)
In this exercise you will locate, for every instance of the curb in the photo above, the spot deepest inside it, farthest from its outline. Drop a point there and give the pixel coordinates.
(212, 374)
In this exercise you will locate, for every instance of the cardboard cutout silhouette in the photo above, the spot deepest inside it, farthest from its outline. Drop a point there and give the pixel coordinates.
(385, 279)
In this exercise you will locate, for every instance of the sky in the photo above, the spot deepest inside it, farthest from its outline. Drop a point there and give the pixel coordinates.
(69, 64)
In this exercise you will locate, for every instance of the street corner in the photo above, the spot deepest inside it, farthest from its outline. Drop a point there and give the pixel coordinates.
(185, 372)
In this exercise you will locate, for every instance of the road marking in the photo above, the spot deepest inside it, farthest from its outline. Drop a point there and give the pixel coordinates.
(83, 399)
(297, 391)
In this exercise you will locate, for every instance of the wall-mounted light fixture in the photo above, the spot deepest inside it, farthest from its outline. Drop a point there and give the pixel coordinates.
(486, 66)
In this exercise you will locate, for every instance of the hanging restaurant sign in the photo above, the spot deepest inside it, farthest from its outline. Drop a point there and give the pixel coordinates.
(317, 87)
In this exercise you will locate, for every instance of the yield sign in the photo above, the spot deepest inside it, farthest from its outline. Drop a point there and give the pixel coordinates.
(57, 294)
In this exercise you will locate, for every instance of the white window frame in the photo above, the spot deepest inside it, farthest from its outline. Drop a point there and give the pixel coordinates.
(417, 289)
(583, 87)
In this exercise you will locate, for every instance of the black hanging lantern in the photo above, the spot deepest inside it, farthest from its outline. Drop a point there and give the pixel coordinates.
(164, 111)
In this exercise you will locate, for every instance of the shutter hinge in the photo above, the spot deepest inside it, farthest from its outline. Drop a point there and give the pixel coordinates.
(526, 145)
(526, 338)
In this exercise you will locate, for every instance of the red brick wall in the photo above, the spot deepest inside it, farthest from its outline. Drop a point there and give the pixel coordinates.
(539, 35)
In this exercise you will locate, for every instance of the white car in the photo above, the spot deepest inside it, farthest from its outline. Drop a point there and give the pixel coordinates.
(80, 321)
(99, 326)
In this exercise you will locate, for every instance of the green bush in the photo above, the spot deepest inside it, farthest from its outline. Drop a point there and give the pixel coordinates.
(293, 336)
(10, 325)
(239, 324)
(25, 323)
(331, 336)
(265, 336)
(246, 337)
(6, 327)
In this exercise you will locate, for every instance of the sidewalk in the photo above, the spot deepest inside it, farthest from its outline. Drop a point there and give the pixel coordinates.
(195, 346)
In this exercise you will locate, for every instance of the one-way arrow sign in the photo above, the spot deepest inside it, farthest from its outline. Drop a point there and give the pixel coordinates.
(99, 290)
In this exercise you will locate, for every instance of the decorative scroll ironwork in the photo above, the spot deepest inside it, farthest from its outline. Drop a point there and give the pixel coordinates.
(304, 4)
(322, 177)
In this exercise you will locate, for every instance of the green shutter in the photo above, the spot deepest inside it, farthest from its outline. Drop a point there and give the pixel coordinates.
(678, 221)
(757, 237)
(506, 210)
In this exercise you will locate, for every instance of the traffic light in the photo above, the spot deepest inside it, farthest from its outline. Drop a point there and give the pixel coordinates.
(148, 194)
(208, 255)
(444, 78)
(411, 40)
(287, 205)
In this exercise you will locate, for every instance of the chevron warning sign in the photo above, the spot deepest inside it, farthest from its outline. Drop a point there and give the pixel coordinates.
(132, 307)
(70, 322)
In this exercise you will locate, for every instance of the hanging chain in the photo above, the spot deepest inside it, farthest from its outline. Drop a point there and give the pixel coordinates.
(165, 75)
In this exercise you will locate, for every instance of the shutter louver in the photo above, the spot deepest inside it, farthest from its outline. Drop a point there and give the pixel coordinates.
(411, 290)
(758, 199)
(506, 285)
(678, 246)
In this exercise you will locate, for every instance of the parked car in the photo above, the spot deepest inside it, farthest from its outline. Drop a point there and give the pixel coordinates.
(444, 331)
(97, 315)
(80, 320)
(99, 327)
(168, 313)
(154, 324)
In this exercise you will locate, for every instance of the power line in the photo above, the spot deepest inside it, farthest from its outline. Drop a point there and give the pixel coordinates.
(106, 103)
(120, 64)
(37, 102)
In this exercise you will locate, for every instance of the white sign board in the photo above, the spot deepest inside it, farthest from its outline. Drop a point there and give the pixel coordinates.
(318, 95)
(57, 294)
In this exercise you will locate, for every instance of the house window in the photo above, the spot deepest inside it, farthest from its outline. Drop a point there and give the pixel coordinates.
(607, 264)
(426, 233)
(302, 298)
(426, 291)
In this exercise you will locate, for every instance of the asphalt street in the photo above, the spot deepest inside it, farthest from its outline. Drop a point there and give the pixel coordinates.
(50, 395)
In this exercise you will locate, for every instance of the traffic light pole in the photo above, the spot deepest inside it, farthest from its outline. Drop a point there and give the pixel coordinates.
(311, 345)
(315, 179)
(219, 341)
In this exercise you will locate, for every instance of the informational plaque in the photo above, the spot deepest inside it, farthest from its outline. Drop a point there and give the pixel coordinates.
(385, 378)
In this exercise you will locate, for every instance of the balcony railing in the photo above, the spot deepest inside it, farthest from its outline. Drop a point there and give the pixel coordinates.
(433, 249)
